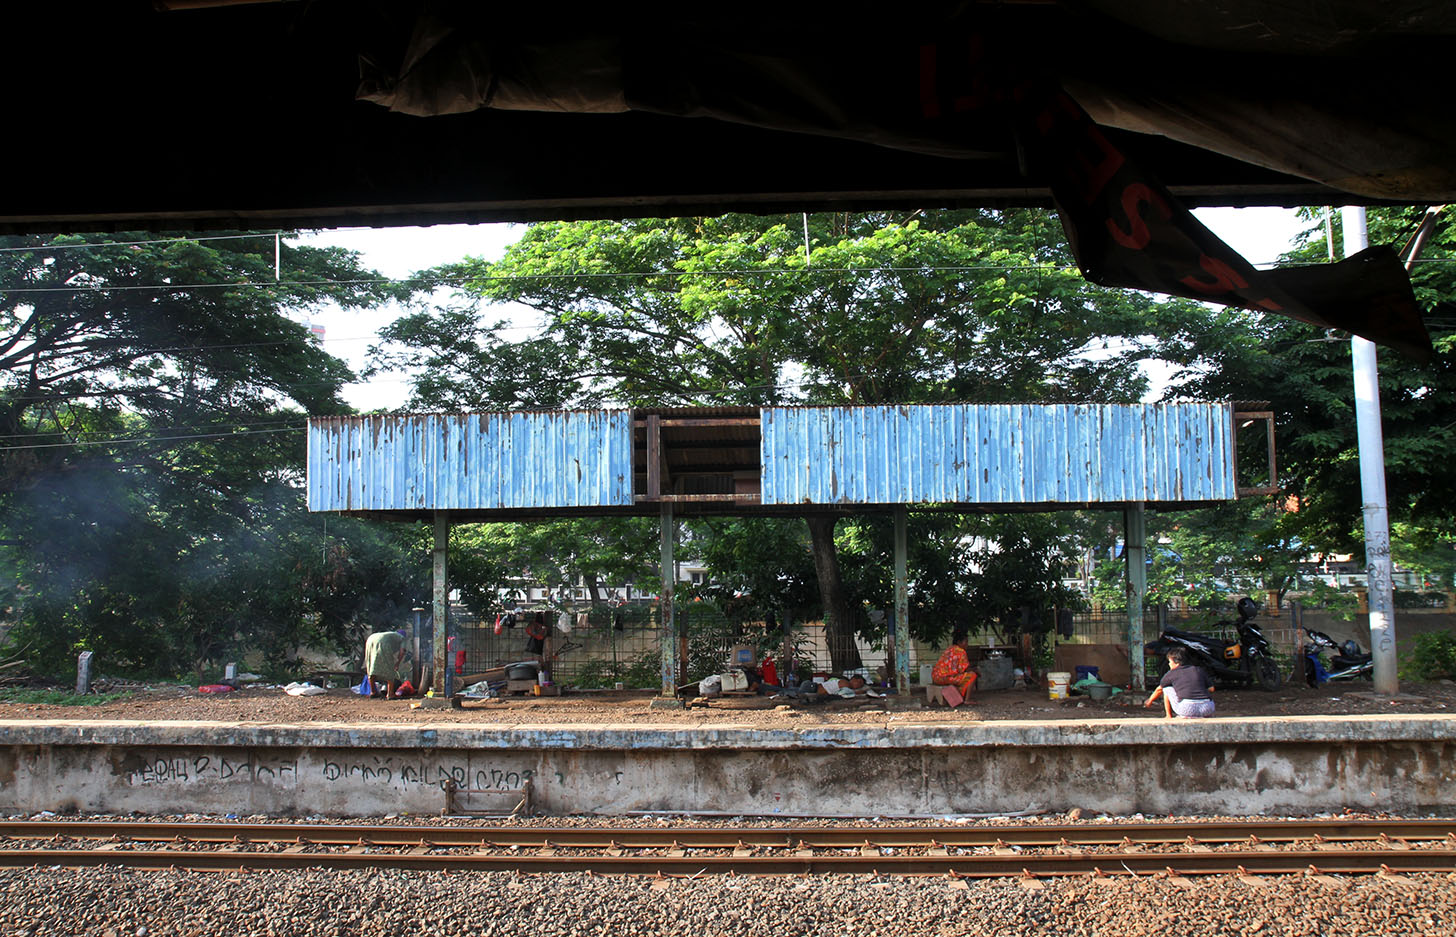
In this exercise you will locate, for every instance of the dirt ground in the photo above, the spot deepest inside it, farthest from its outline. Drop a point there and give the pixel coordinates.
(270, 704)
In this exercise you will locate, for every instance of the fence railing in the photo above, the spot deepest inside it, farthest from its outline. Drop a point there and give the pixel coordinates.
(601, 646)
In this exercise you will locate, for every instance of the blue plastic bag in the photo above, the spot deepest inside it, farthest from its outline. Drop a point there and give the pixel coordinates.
(365, 688)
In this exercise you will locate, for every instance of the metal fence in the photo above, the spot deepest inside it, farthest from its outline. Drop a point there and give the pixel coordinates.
(603, 645)
(1105, 626)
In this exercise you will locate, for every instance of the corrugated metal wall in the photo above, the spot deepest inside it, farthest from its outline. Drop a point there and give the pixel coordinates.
(997, 454)
(470, 461)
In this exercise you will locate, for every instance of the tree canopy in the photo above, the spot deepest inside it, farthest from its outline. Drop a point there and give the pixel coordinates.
(865, 308)
(152, 396)
(1306, 375)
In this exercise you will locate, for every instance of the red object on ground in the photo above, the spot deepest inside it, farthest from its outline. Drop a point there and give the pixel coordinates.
(770, 673)
(216, 688)
(405, 689)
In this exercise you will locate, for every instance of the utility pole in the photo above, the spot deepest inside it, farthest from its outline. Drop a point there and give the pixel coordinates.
(1371, 444)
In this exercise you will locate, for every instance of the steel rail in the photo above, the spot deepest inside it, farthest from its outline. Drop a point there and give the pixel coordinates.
(1251, 862)
(1026, 835)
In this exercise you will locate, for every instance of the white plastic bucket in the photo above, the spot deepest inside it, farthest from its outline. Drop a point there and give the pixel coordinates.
(925, 670)
(1058, 684)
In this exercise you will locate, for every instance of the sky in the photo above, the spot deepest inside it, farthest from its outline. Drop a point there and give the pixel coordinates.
(1259, 234)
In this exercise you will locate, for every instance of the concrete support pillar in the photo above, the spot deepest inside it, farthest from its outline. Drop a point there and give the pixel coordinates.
(83, 673)
(440, 683)
(668, 534)
(1135, 550)
(902, 606)
(417, 648)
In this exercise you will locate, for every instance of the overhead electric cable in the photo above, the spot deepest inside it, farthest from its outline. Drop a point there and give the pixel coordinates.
(143, 439)
(45, 248)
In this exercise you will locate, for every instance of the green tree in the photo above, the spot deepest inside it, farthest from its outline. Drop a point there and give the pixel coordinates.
(1306, 376)
(877, 308)
(600, 553)
(152, 396)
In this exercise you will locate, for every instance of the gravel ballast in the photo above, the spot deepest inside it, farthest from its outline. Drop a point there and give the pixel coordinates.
(111, 902)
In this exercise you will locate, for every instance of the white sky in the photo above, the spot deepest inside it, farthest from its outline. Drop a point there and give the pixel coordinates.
(1259, 234)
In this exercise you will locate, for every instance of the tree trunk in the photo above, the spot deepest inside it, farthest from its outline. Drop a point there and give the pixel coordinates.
(838, 622)
(593, 588)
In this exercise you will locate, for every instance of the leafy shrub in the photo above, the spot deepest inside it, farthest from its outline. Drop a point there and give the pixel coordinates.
(54, 697)
(1408, 598)
(642, 672)
(1432, 657)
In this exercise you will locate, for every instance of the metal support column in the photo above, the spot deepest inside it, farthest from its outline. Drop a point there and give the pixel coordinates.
(668, 634)
(1371, 443)
(902, 607)
(440, 683)
(1135, 535)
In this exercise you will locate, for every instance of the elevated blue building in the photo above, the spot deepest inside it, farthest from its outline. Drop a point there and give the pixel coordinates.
(784, 460)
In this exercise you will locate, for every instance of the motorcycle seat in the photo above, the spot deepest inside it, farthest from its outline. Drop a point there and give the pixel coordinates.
(1197, 636)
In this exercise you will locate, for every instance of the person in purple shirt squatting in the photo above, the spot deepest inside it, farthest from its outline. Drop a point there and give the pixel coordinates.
(1185, 689)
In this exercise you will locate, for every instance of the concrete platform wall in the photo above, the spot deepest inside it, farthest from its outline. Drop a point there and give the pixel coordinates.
(1220, 766)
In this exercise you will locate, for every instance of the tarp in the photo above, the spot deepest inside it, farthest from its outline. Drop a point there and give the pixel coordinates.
(1272, 87)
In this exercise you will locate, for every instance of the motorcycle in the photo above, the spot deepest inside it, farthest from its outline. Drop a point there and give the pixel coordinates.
(1244, 661)
(1347, 661)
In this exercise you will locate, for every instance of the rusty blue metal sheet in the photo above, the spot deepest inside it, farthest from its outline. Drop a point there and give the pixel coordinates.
(997, 454)
(477, 461)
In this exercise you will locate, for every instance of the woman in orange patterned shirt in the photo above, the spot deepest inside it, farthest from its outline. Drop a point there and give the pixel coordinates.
(954, 666)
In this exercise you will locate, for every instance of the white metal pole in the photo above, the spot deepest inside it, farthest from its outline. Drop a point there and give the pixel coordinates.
(1372, 482)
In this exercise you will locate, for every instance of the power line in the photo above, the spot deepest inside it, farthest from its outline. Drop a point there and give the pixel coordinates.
(145, 439)
(47, 248)
(598, 275)
(539, 277)
(289, 422)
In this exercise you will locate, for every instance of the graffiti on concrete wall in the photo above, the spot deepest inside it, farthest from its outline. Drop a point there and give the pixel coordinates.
(245, 768)
(399, 772)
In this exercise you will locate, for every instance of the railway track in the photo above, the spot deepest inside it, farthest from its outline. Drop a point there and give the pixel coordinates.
(1107, 849)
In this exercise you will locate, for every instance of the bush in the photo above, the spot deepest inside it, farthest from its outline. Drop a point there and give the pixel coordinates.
(1406, 598)
(1432, 657)
(642, 672)
(56, 697)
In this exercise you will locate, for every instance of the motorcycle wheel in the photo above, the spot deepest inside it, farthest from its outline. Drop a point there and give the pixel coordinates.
(1266, 672)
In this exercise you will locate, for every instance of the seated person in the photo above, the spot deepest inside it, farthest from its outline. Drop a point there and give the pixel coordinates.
(954, 666)
(1185, 688)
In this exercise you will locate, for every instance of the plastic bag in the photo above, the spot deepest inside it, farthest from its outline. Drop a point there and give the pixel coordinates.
(216, 688)
(365, 688)
(304, 689)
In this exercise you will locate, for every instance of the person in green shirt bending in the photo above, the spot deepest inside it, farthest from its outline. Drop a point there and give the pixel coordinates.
(383, 655)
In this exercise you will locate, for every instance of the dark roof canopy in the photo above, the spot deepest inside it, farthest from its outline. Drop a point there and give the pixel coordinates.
(192, 114)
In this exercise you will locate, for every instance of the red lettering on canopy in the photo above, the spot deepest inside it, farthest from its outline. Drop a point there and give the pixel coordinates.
(1225, 278)
(929, 103)
(1138, 235)
(1100, 173)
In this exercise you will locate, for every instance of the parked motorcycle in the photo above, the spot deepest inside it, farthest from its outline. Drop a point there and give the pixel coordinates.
(1244, 661)
(1347, 661)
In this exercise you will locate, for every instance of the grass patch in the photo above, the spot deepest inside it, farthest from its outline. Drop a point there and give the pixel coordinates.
(53, 697)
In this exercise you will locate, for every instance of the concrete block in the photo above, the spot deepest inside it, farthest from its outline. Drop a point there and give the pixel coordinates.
(83, 673)
(932, 695)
